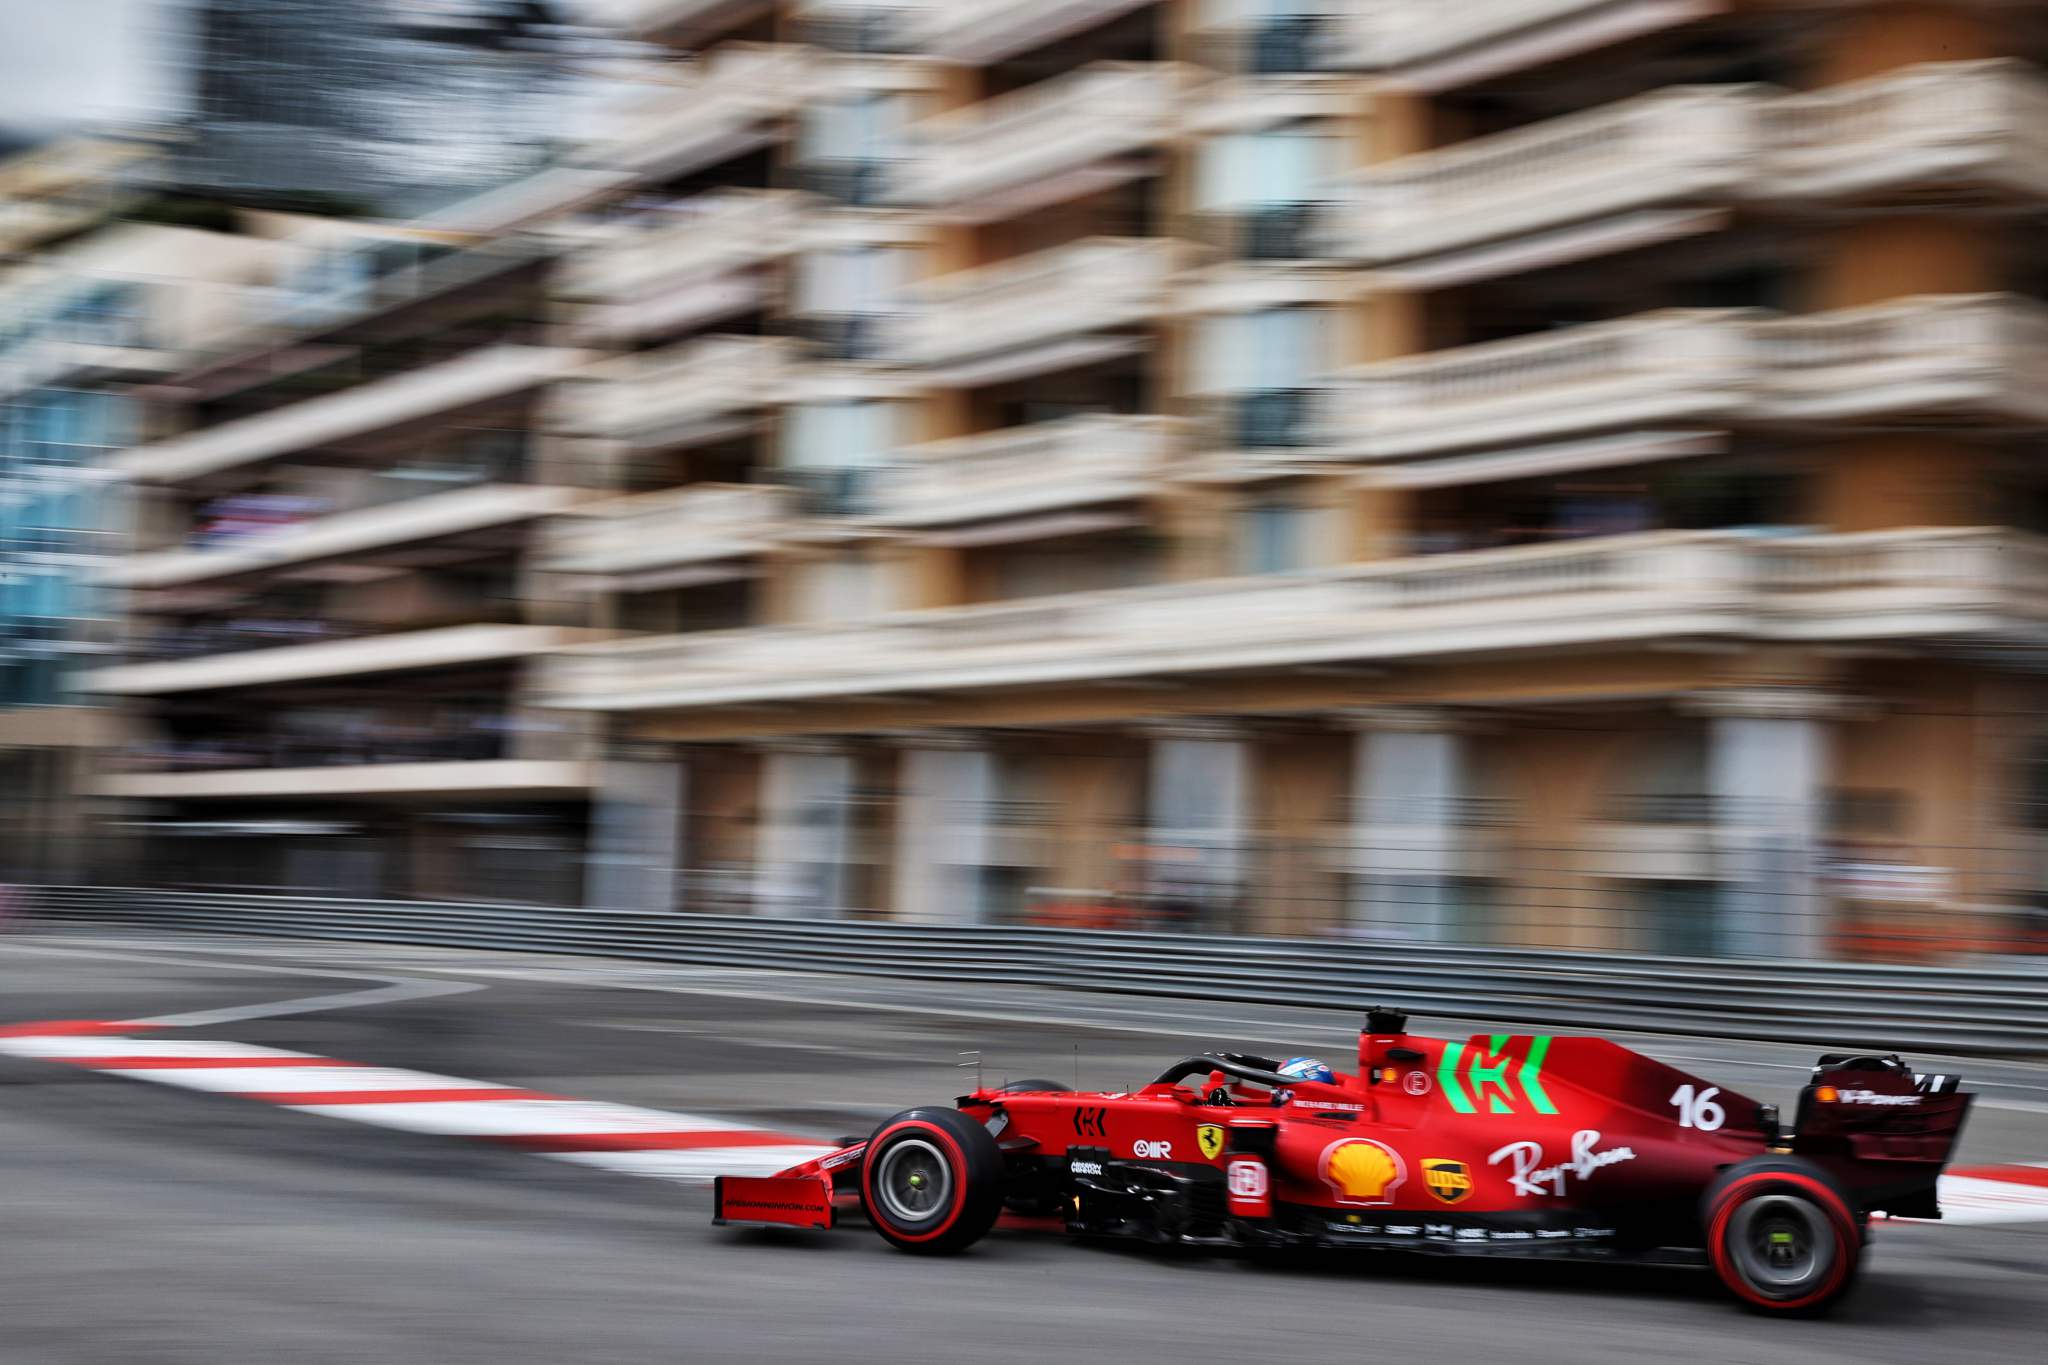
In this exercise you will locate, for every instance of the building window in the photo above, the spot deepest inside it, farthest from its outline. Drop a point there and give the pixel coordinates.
(1263, 184)
(1265, 365)
(1665, 782)
(1676, 918)
(832, 450)
(1273, 536)
(842, 295)
(845, 148)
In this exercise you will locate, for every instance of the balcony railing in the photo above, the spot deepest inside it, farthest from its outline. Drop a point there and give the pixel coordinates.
(983, 31)
(1681, 365)
(709, 235)
(674, 526)
(344, 534)
(734, 101)
(1100, 284)
(1979, 355)
(1094, 458)
(1663, 586)
(701, 390)
(1685, 145)
(408, 396)
(653, 16)
(237, 666)
(1104, 111)
(1956, 125)
(857, 25)
(1397, 33)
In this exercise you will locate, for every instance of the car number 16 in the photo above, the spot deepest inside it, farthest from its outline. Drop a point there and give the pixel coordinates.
(1698, 1110)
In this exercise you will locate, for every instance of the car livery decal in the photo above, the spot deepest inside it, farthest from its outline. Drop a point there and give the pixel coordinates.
(1362, 1171)
(1486, 1080)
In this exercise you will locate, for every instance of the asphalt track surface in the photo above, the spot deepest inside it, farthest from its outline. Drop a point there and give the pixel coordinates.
(154, 1226)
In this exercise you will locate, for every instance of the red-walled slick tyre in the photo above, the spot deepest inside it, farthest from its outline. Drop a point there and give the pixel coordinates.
(932, 1181)
(1782, 1235)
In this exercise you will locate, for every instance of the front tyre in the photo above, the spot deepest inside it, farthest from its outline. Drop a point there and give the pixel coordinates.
(1782, 1235)
(932, 1181)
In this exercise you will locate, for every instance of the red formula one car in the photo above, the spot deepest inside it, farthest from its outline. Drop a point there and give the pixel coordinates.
(1522, 1145)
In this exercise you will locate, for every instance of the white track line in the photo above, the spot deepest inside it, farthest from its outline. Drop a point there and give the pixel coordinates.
(307, 1079)
(517, 1118)
(625, 1139)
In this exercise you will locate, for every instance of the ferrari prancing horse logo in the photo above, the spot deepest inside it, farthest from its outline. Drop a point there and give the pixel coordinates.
(1209, 1137)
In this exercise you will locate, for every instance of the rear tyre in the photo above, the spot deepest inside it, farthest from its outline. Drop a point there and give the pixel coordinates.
(932, 1181)
(1782, 1235)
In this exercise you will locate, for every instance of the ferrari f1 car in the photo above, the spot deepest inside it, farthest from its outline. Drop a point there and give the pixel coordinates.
(1500, 1145)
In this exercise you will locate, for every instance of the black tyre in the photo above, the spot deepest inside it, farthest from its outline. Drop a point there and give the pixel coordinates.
(932, 1181)
(1027, 1087)
(1782, 1234)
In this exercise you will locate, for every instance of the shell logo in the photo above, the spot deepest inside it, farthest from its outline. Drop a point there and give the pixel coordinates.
(1362, 1171)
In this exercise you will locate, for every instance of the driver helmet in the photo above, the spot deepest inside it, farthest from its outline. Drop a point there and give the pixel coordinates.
(1307, 1069)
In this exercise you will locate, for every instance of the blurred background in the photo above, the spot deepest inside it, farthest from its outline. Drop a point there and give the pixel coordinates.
(1508, 472)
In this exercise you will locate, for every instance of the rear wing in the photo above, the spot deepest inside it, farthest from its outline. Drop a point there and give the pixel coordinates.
(1883, 1128)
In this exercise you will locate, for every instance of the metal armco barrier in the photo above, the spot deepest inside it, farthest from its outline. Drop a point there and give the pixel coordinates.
(1955, 1010)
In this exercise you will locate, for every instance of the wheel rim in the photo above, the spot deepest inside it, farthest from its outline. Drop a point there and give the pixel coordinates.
(1781, 1244)
(914, 1182)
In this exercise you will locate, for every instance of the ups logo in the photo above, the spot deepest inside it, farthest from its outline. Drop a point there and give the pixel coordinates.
(1448, 1181)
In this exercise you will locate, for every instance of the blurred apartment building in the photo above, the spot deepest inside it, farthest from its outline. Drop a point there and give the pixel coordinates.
(91, 306)
(1541, 471)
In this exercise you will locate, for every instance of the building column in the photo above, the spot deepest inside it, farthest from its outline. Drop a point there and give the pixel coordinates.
(636, 833)
(944, 829)
(1198, 791)
(805, 831)
(1767, 772)
(1408, 787)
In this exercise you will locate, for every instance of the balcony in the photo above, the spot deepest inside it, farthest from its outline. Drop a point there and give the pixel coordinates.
(692, 525)
(1060, 303)
(1961, 589)
(379, 405)
(690, 268)
(447, 647)
(982, 31)
(1944, 128)
(1271, 46)
(1076, 462)
(1491, 36)
(1971, 357)
(1060, 138)
(644, 18)
(737, 99)
(498, 779)
(875, 26)
(346, 534)
(1675, 148)
(703, 390)
(1677, 366)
